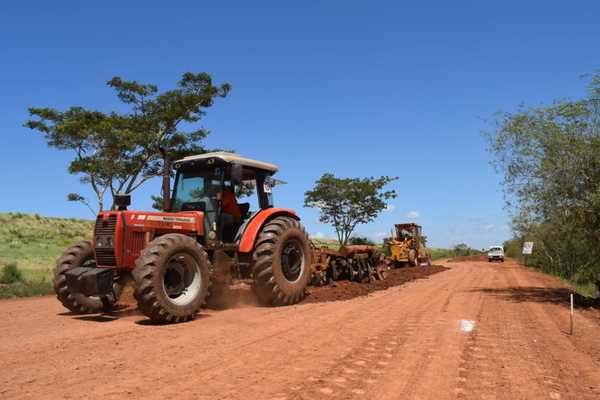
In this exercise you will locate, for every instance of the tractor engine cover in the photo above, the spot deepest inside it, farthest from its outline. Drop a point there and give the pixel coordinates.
(90, 281)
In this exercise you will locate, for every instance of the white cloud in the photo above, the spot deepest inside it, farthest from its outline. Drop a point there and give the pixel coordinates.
(319, 235)
(381, 234)
(412, 214)
(489, 227)
(389, 208)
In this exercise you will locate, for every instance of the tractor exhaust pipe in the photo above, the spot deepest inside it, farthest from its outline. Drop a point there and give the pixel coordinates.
(166, 181)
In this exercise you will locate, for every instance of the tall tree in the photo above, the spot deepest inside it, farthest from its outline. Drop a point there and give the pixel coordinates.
(90, 135)
(156, 122)
(549, 159)
(120, 151)
(347, 202)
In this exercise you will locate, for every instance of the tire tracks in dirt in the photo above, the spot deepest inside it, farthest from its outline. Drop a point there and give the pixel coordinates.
(404, 342)
(518, 353)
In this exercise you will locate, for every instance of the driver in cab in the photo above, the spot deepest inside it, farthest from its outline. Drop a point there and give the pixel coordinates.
(230, 205)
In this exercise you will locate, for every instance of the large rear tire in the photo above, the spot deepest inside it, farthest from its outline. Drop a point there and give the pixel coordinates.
(172, 278)
(79, 255)
(281, 262)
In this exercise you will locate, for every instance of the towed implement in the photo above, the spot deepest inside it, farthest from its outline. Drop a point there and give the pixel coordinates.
(181, 258)
(355, 263)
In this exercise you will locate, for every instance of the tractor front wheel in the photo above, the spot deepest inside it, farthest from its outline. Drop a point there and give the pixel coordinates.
(281, 262)
(79, 255)
(171, 277)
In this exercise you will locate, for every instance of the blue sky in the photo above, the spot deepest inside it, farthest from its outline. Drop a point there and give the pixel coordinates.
(353, 88)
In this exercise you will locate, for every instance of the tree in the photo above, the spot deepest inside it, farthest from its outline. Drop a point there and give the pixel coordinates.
(118, 152)
(461, 249)
(549, 159)
(91, 135)
(77, 198)
(360, 240)
(347, 202)
(155, 121)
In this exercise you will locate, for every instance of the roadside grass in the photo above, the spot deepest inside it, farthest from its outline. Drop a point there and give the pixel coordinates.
(587, 289)
(582, 283)
(438, 253)
(17, 282)
(329, 243)
(34, 241)
(29, 246)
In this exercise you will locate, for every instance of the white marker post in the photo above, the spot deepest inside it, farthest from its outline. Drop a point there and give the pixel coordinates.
(571, 330)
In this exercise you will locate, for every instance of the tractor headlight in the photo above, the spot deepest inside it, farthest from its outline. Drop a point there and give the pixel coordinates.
(105, 242)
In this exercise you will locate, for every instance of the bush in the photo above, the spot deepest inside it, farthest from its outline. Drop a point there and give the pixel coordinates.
(28, 289)
(10, 274)
(358, 240)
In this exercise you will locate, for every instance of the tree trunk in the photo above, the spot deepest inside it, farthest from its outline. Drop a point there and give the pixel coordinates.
(166, 180)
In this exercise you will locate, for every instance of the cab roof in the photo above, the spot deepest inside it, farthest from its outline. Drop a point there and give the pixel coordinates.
(230, 158)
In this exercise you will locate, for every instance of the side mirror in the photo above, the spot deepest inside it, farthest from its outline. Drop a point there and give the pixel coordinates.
(236, 174)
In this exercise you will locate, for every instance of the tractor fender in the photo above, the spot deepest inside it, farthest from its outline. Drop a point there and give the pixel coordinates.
(254, 226)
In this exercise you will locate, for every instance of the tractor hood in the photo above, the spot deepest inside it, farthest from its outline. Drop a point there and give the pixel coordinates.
(120, 236)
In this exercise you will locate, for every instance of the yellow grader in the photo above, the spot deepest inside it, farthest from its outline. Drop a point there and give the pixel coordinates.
(407, 247)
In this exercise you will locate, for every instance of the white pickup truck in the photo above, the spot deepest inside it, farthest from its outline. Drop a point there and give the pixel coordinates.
(496, 253)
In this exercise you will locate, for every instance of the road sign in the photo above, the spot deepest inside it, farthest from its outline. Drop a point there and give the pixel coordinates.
(527, 247)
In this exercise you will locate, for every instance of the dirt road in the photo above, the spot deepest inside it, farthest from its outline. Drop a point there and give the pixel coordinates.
(475, 331)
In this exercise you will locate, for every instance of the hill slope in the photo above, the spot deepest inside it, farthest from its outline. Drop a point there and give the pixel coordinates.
(34, 242)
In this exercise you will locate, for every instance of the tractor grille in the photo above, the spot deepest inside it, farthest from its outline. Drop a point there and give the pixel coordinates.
(138, 241)
(106, 228)
(105, 255)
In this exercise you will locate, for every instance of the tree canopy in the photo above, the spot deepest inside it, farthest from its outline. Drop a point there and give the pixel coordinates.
(549, 157)
(119, 151)
(346, 202)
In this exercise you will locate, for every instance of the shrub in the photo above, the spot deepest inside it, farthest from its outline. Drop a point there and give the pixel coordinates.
(10, 274)
(358, 240)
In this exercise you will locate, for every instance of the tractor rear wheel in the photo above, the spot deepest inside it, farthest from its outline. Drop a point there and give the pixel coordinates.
(281, 262)
(172, 278)
(79, 255)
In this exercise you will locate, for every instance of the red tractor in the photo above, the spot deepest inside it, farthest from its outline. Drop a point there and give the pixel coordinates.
(180, 257)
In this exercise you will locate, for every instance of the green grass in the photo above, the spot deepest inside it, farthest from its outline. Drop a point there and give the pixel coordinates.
(587, 289)
(438, 253)
(17, 282)
(34, 243)
(10, 273)
(329, 243)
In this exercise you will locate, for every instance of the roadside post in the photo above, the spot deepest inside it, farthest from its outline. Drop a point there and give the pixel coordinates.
(571, 329)
(527, 250)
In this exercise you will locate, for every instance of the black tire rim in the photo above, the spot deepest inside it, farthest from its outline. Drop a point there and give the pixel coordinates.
(182, 280)
(292, 261)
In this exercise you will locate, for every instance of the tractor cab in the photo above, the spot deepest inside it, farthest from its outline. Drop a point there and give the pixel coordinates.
(213, 183)
(408, 233)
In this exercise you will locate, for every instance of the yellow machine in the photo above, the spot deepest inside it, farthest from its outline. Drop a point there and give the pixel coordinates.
(407, 247)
